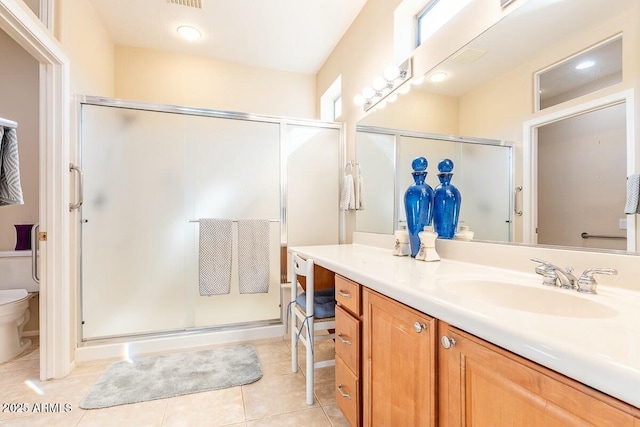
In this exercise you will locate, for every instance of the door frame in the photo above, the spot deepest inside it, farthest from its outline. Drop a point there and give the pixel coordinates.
(530, 160)
(19, 22)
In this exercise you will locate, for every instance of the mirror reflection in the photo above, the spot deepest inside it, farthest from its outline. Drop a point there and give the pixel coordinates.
(482, 174)
(490, 92)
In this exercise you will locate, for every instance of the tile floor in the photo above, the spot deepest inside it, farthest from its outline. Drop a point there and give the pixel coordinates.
(278, 399)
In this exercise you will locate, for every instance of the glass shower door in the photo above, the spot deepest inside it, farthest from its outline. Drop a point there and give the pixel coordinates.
(133, 222)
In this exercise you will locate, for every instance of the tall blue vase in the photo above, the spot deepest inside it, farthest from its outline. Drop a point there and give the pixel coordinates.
(418, 203)
(447, 201)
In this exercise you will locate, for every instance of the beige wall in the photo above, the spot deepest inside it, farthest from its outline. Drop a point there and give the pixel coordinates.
(170, 78)
(19, 86)
(87, 44)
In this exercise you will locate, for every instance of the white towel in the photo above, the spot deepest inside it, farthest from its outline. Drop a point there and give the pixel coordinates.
(633, 195)
(215, 256)
(347, 198)
(253, 256)
(10, 188)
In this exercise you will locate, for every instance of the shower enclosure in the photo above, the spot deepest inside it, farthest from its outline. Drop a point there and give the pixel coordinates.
(151, 171)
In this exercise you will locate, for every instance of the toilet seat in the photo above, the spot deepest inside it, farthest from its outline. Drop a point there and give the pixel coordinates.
(8, 296)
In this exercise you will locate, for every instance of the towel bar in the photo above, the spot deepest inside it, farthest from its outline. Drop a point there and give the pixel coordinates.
(586, 235)
(235, 220)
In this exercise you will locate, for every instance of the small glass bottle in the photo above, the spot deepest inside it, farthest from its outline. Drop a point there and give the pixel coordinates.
(447, 201)
(418, 203)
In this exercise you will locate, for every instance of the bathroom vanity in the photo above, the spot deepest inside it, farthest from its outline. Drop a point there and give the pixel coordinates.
(456, 343)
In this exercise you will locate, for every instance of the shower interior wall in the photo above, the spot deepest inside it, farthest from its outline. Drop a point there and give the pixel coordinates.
(147, 173)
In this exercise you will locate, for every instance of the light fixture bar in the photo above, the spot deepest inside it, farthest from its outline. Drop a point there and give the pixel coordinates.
(381, 87)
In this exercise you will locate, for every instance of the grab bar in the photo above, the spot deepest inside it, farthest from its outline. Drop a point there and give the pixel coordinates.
(515, 201)
(586, 235)
(76, 169)
(34, 253)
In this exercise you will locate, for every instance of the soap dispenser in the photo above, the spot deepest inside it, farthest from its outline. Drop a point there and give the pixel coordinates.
(427, 250)
(402, 247)
(464, 233)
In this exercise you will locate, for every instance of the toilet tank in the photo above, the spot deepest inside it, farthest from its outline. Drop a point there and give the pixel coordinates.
(15, 271)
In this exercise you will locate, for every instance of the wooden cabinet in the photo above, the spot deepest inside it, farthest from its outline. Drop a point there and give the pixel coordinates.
(398, 364)
(392, 369)
(481, 384)
(348, 349)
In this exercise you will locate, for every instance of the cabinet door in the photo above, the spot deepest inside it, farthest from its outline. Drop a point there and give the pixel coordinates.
(483, 385)
(399, 378)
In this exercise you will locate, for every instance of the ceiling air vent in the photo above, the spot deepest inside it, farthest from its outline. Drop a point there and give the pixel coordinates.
(468, 55)
(189, 3)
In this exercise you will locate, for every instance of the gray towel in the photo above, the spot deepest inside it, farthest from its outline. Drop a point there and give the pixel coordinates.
(215, 256)
(633, 195)
(10, 188)
(253, 256)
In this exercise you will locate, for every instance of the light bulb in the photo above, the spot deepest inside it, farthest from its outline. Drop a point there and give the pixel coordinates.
(391, 73)
(417, 81)
(189, 33)
(379, 83)
(404, 89)
(368, 92)
(359, 100)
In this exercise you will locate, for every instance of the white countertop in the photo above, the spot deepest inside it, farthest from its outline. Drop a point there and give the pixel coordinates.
(602, 352)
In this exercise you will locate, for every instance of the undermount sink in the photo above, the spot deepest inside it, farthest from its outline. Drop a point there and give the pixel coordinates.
(540, 300)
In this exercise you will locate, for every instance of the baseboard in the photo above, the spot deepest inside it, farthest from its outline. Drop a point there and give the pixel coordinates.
(127, 350)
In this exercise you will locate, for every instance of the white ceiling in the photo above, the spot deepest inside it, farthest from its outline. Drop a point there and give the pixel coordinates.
(288, 35)
(522, 35)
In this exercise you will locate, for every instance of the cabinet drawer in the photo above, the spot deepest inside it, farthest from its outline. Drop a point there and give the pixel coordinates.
(348, 295)
(348, 339)
(347, 393)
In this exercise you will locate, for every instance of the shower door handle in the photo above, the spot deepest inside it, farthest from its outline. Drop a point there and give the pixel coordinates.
(77, 170)
(35, 233)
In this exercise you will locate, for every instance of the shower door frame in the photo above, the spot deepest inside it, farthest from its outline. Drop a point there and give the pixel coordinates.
(283, 123)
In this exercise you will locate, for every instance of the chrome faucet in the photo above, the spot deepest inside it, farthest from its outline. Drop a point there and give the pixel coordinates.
(553, 275)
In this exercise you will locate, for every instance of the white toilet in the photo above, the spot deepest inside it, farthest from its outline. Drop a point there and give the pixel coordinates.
(16, 288)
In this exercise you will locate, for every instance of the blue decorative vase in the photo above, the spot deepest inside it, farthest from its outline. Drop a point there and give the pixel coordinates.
(447, 199)
(418, 203)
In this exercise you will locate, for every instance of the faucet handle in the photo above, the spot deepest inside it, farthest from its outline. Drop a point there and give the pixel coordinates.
(587, 283)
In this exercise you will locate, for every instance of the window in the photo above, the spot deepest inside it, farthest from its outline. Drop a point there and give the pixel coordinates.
(331, 102)
(337, 107)
(435, 15)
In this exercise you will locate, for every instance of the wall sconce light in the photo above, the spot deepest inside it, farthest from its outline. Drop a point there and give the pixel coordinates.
(392, 78)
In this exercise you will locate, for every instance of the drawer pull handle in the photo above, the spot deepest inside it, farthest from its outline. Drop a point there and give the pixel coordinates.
(342, 393)
(344, 294)
(343, 341)
(447, 342)
(419, 327)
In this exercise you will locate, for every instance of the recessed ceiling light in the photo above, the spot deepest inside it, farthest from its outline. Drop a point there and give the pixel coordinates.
(585, 64)
(189, 33)
(438, 77)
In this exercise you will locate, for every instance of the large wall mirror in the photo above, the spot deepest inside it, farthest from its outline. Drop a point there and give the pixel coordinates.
(488, 95)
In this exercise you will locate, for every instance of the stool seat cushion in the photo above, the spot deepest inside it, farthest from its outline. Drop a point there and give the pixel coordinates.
(324, 303)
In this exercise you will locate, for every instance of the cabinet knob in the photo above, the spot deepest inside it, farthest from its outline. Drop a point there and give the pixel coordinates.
(419, 327)
(447, 342)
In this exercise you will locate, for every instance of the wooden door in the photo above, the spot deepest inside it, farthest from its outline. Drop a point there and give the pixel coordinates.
(483, 385)
(399, 381)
